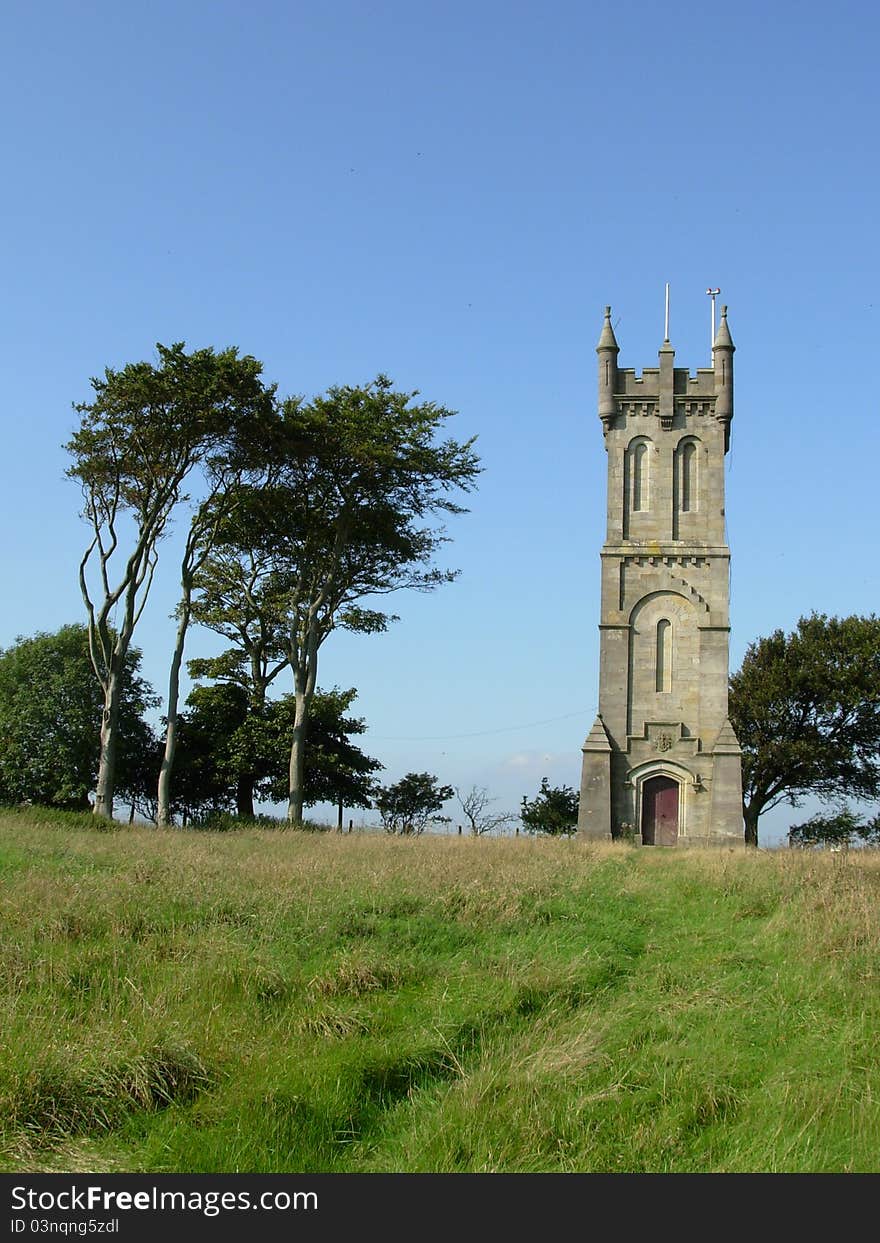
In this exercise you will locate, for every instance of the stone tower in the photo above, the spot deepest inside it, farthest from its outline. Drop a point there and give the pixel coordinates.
(662, 756)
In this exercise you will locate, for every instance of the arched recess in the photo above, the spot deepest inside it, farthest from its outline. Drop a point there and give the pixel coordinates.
(663, 656)
(661, 801)
(685, 482)
(636, 480)
(660, 811)
(663, 661)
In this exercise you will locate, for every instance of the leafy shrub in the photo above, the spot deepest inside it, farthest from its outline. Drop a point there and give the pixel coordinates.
(553, 811)
(841, 828)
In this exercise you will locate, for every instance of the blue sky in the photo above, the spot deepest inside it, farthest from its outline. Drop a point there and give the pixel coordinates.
(450, 194)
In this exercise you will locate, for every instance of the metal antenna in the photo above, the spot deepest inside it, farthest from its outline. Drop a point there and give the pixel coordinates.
(666, 321)
(713, 294)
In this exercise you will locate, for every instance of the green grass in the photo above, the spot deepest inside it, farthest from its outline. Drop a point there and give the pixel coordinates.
(279, 1001)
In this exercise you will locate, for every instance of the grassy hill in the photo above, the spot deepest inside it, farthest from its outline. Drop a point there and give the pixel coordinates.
(279, 1001)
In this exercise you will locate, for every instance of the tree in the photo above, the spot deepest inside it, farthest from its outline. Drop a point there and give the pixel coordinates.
(806, 710)
(50, 715)
(225, 471)
(343, 515)
(336, 771)
(408, 806)
(554, 810)
(209, 763)
(237, 598)
(840, 828)
(224, 745)
(147, 429)
(476, 806)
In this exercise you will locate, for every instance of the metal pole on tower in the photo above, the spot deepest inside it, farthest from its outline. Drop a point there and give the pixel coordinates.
(713, 294)
(666, 319)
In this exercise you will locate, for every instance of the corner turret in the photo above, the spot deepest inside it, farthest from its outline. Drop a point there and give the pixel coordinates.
(607, 349)
(722, 361)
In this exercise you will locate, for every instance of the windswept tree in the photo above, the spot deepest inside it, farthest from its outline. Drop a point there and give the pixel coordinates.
(806, 710)
(224, 471)
(347, 512)
(147, 429)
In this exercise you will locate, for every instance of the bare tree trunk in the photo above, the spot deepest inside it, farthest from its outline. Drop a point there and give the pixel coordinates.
(297, 759)
(339, 816)
(109, 736)
(163, 807)
(107, 652)
(304, 663)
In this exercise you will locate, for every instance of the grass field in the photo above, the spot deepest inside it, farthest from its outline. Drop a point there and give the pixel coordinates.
(259, 1001)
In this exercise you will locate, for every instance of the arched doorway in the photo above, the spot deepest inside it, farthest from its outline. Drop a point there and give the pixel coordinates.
(660, 811)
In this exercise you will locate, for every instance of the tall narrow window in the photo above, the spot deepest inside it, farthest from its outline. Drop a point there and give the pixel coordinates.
(688, 477)
(663, 662)
(640, 477)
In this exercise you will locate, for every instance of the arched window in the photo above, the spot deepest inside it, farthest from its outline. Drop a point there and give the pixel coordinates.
(663, 660)
(688, 477)
(639, 474)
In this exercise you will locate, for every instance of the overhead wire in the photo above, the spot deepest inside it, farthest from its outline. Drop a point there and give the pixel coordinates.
(480, 733)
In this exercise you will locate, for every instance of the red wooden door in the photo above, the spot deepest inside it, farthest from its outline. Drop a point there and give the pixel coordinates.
(660, 812)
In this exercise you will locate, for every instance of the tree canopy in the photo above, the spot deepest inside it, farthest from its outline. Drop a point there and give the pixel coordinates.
(50, 718)
(841, 828)
(302, 513)
(229, 753)
(806, 710)
(347, 512)
(144, 433)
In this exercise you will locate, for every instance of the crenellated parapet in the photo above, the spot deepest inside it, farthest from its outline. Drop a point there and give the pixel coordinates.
(644, 384)
(672, 395)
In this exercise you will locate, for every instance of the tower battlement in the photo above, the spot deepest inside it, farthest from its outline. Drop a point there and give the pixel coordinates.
(633, 383)
(667, 391)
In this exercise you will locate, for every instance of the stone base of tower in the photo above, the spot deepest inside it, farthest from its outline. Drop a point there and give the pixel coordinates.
(594, 813)
(726, 815)
(663, 790)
